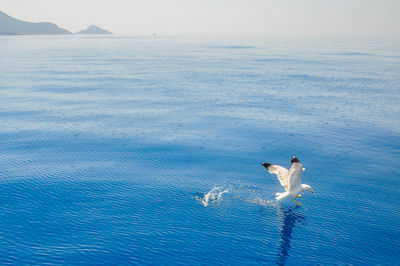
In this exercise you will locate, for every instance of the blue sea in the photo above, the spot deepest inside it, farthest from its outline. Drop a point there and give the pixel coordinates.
(147, 150)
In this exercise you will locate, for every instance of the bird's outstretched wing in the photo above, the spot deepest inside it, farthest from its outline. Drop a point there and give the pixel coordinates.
(295, 173)
(281, 172)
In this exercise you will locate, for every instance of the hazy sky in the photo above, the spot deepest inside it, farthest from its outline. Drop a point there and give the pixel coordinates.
(215, 17)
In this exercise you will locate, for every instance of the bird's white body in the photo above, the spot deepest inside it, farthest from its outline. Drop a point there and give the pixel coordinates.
(290, 179)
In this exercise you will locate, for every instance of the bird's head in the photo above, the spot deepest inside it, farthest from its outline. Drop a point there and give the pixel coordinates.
(307, 187)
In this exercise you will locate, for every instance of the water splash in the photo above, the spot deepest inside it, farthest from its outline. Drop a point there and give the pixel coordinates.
(214, 195)
(263, 202)
(245, 193)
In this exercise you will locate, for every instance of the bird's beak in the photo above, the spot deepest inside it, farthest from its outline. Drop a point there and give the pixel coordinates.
(311, 190)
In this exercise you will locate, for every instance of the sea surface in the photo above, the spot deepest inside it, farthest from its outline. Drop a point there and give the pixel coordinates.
(148, 150)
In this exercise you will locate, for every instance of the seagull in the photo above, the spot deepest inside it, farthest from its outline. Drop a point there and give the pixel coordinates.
(290, 179)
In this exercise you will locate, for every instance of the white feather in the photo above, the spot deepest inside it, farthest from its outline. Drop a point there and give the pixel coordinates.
(289, 179)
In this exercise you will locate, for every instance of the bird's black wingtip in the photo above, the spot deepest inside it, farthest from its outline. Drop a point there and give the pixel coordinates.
(295, 160)
(266, 165)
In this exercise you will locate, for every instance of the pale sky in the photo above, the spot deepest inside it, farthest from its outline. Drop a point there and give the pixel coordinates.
(358, 18)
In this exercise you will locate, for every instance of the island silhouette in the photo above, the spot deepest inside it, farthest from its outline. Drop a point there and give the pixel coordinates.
(13, 26)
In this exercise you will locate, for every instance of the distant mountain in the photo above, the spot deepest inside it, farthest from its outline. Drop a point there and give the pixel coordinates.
(12, 26)
(94, 30)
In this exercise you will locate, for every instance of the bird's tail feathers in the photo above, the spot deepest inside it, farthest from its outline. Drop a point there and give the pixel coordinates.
(280, 196)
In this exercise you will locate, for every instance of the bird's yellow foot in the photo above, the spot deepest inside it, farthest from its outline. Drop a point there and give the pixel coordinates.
(298, 203)
(298, 196)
